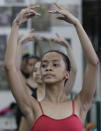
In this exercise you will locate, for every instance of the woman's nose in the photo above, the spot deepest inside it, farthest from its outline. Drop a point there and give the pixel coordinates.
(49, 68)
(38, 73)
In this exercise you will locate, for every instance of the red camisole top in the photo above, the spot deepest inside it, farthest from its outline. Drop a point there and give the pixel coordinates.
(46, 123)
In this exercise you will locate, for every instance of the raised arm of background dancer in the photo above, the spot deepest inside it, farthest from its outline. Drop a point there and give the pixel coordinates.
(23, 99)
(23, 40)
(18, 54)
(39, 47)
(84, 98)
(18, 61)
(31, 37)
(70, 82)
(49, 42)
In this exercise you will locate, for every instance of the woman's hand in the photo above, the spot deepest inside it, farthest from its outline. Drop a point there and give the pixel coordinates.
(60, 40)
(45, 38)
(65, 14)
(25, 14)
(28, 37)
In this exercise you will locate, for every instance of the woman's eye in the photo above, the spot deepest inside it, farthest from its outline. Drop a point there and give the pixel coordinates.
(43, 65)
(35, 70)
(55, 65)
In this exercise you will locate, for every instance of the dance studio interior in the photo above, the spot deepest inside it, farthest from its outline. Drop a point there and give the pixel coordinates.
(88, 12)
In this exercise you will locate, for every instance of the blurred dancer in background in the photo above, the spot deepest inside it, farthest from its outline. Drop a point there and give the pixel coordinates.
(27, 67)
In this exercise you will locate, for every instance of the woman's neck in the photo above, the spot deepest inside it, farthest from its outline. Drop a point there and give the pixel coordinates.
(41, 85)
(31, 76)
(55, 92)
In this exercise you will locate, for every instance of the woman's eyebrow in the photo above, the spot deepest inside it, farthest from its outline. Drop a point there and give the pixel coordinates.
(54, 60)
(44, 61)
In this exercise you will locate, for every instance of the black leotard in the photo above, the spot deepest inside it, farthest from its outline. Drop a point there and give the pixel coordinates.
(34, 90)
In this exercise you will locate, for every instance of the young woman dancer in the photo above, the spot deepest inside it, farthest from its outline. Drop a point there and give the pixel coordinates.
(73, 69)
(55, 111)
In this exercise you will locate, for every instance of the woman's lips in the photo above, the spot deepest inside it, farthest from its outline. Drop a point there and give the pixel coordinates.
(49, 75)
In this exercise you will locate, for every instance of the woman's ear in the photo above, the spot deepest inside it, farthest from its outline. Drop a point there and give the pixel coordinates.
(67, 74)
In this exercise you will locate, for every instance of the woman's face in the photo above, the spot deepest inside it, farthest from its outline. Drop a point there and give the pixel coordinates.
(30, 65)
(37, 73)
(53, 68)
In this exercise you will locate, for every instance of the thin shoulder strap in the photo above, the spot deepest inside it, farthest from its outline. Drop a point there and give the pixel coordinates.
(41, 108)
(73, 105)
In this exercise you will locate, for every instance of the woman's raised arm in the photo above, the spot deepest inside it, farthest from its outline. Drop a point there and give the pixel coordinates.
(17, 87)
(70, 82)
(84, 98)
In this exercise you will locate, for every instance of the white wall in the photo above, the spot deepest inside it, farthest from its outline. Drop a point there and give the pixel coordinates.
(5, 98)
(61, 1)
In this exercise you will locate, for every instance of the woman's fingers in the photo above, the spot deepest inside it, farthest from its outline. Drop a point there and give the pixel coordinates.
(32, 9)
(56, 39)
(32, 30)
(54, 11)
(28, 37)
(65, 14)
(60, 39)
(57, 35)
(61, 17)
(25, 14)
(28, 12)
(34, 6)
(45, 38)
(57, 11)
(31, 13)
(58, 6)
(36, 13)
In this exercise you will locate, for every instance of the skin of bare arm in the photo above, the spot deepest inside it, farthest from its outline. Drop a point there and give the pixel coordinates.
(24, 125)
(22, 40)
(70, 82)
(31, 37)
(84, 98)
(18, 62)
(24, 100)
(50, 44)
(39, 48)
(90, 76)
